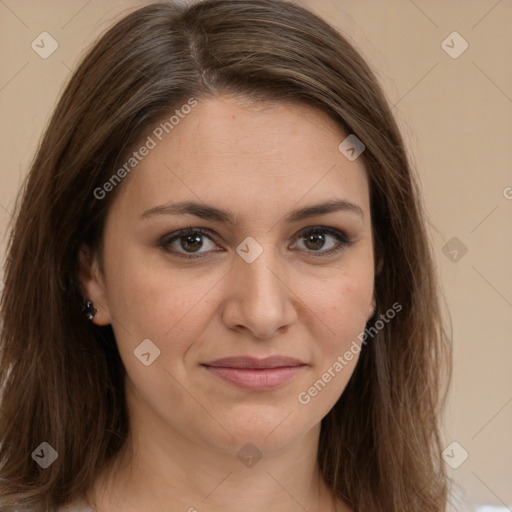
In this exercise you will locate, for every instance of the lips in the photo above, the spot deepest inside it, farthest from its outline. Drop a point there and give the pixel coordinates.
(253, 363)
(255, 374)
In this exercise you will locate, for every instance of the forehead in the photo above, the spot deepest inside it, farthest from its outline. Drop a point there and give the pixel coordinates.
(246, 156)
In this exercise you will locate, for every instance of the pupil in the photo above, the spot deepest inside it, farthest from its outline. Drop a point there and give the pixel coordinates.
(190, 240)
(317, 238)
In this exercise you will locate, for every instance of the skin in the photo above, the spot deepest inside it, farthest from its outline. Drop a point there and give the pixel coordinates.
(187, 425)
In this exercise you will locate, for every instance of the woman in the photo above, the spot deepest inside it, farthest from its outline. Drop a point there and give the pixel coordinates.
(219, 293)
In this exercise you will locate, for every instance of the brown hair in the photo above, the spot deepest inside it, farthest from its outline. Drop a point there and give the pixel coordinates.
(61, 377)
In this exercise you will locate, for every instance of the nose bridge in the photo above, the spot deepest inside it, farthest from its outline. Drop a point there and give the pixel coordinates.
(258, 269)
(262, 276)
(258, 296)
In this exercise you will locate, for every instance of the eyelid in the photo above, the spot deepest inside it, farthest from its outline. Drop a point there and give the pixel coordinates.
(341, 237)
(335, 232)
(166, 241)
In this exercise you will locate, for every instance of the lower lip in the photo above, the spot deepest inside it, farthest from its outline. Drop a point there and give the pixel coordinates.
(256, 379)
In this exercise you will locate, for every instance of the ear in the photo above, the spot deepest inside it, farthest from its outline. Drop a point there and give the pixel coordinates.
(373, 305)
(92, 285)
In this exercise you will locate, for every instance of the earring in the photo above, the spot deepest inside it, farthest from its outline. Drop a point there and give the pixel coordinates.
(89, 310)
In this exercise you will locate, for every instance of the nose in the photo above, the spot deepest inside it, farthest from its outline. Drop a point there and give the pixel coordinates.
(259, 299)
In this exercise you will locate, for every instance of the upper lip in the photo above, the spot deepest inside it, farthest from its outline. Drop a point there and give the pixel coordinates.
(254, 363)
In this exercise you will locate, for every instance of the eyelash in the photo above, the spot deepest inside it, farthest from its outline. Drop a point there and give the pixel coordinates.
(343, 242)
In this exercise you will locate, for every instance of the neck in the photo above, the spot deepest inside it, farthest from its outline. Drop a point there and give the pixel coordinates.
(177, 475)
(163, 469)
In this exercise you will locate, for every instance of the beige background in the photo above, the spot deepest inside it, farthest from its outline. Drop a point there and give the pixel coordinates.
(456, 115)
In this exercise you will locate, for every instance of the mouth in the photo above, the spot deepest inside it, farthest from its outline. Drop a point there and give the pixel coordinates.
(255, 374)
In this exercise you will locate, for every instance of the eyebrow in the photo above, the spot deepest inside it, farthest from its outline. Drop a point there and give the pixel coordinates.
(205, 211)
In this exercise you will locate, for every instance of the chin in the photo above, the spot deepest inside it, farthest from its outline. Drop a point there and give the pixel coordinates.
(269, 429)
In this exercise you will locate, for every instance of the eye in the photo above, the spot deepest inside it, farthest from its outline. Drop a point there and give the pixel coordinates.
(187, 243)
(315, 239)
(190, 240)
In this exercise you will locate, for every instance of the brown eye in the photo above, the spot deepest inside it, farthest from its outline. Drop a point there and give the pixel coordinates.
(188, 242)
(316, 239)
(192, 242)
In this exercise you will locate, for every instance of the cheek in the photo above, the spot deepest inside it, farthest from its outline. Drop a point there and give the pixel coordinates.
(342, 311)
(341, 301)
(147, 300)
(351, 302)
(342, 307)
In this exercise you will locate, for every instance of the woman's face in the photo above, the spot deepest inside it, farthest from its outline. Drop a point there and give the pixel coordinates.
(260, 282)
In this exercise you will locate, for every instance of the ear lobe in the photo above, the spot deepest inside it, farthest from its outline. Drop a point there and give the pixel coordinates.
(92, 286)
(373, 305)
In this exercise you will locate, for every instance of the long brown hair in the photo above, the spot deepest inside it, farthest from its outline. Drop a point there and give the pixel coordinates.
(62, 379)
